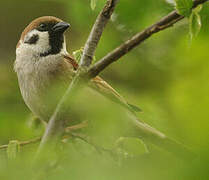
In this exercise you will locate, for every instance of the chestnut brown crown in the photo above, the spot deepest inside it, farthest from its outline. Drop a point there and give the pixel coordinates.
(36, 23)
(44, 36)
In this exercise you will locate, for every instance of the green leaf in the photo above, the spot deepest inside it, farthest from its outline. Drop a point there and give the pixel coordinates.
(184, 7)
(77, 54)
(198, 8)
(93, 4)
(12, 149)
(194, 23)
(172, 2)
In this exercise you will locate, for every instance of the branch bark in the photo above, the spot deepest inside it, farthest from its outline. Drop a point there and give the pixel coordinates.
(96, 33)
(133, 42)
(55, 127)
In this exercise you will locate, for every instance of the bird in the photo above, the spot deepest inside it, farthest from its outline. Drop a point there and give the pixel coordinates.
(45, 69)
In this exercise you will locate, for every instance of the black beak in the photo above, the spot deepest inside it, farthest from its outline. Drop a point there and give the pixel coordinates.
(60, 27)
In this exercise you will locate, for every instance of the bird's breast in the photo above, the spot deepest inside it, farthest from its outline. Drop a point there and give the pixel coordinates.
(42, 83)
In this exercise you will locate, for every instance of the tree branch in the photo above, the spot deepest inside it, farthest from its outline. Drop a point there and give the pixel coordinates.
(96, 32)
(130, 44)
(55, 127)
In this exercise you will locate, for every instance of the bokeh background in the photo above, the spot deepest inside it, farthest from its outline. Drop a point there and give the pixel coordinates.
(166, 76)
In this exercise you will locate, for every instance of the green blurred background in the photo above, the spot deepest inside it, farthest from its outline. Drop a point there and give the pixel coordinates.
(167, 76)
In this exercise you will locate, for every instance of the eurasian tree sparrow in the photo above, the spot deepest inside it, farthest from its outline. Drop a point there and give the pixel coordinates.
(44, 67)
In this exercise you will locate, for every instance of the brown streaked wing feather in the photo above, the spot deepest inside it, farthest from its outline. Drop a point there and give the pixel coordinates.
(72, 61)
(104, 88)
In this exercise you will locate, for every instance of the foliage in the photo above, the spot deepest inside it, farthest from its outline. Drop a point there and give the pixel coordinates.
(195, 22)
(184, 7)
(164, 76)
(93, 4)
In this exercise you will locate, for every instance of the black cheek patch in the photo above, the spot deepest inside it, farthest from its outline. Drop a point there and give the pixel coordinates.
(32, 39)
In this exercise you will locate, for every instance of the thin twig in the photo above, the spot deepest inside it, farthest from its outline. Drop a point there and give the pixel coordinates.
(23, 143)
(87, 140)
(35, 140)
(76, 127)
(133, 42)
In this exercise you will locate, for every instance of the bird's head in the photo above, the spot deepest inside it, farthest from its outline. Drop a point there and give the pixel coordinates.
(43, 36)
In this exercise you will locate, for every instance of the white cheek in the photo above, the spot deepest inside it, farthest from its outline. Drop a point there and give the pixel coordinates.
(41, 46)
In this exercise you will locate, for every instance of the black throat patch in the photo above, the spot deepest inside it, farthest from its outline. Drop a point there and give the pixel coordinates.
(55, 43)
(56, 39)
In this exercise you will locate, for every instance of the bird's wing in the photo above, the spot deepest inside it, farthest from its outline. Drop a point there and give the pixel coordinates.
(104, 88)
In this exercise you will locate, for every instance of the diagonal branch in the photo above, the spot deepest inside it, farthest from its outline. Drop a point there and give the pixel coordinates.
(55, 127)
(133, 42)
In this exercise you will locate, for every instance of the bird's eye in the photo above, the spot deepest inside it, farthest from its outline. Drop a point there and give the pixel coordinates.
(42, 26)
